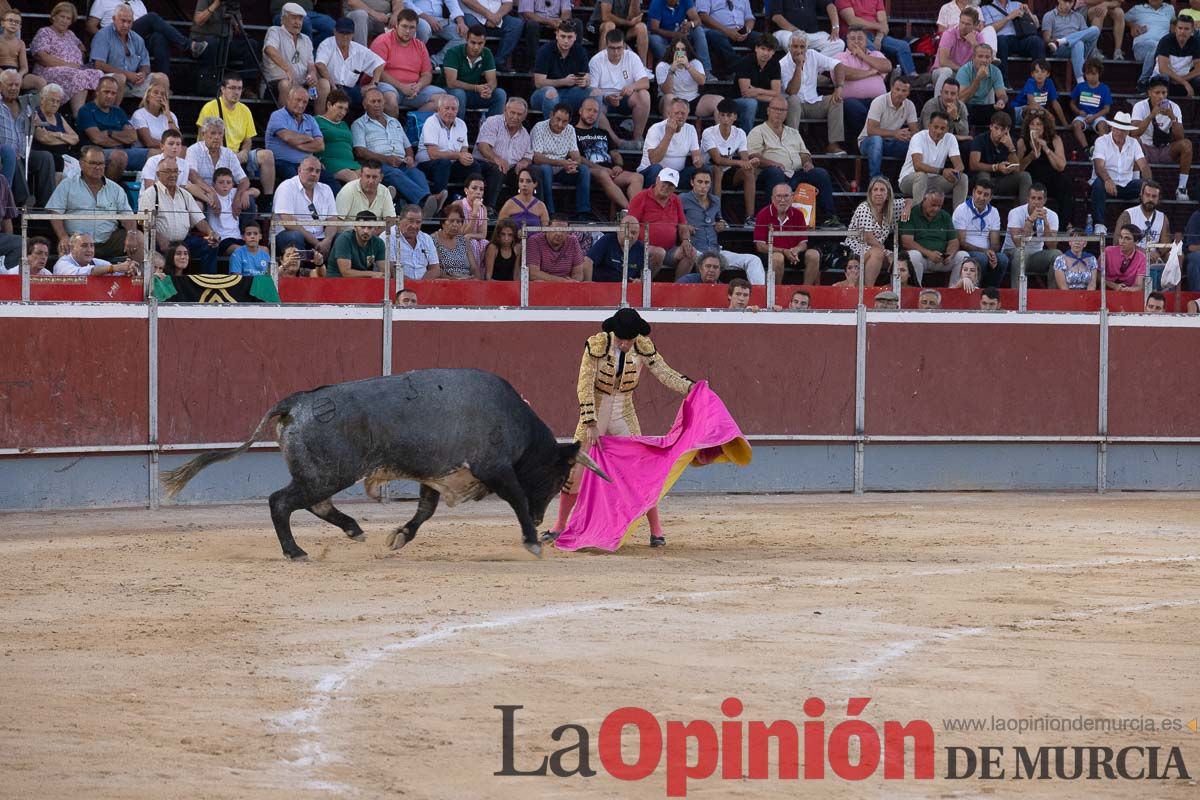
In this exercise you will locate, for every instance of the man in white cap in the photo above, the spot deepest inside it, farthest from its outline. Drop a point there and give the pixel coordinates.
(288, 54)
(1115, 158)
(659, 208)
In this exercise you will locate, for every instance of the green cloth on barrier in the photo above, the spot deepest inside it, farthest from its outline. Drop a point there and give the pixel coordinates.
(215, 289)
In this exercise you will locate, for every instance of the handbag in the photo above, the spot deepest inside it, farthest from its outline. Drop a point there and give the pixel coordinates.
(926, 45)
(1025, 26)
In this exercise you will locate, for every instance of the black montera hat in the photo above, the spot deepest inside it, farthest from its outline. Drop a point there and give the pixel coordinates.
(626, 324)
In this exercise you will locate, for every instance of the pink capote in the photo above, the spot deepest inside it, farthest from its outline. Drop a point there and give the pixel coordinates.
(644, 468)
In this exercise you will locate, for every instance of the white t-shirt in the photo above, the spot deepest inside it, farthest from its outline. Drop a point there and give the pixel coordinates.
(290, 198)
(201, 163)
(1119, 164)
(683, 86)
(103, 10)
(948, 15)
(187, 173)
(977, 230)
(678, 151)
(224, 221)
(1016, 219)
(157, 125)
(1141, 110)
(713, 140)
(1151, 230)
(342, 70)
(610, 77)
(933, 154)
(815, 63)
(435, 133)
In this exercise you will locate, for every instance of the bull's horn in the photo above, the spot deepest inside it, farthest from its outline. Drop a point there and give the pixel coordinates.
(584, 459)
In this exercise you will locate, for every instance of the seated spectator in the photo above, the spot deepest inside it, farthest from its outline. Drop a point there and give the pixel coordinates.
(178, 260)
(434, 18)
(297, 263)
(1038, 93)
(375, 136)
(30, 173)
(682, 77)
(624, 17)
(223, 215)
(1076, 268)
(561, 71)
(933, 162)
(782, 217)
(176, 214)
(494, 17)
(1090, 103)
(1156, 303)
(946, 101)
(343, 63)
(93, 194)
(708, 270)
(80, 259)
(556, 155)
(801, 301)
(337, 159)
(293, 136)
(51, 131)
(1040, 154)
(1149, 22)
(968, 275)
(887, 301)
(407, 67)
(1003, 16)
(929, 237)
(891, 124)
(901, 273)
(13, 53)
(58, 57)
(660, 212)
(251, 258)
(406, 298)
(1154, 224)
(412, 248)
(738, 293)
(726, 23)
(725, 146)
(210, 31)
(358, 252)
(523, 208)
(158, 34)
(444, 151)
(758, 77)
(1103, 9)
(784, 158)
(503, 253)
(365, 194)
(1065, 29)
(989, 300)
(1125, 262)
(1116, 156)
(1178, 58)
(555, 255)
(536, 15)
(301, 203)
(800, 16)
(38, 256)
(288, 61)
(210, 154)
(672, 143)
(978, 224)
(702, 210)
(872, 225)
(503, 148)
(240, 132)
(470, 74)
(475, 216)
(1028, 225)
(672, 22)
(851, 275)
(607, 254)
(798, 73)
(864, 71)
(105, 125)
(1161, 133)
(871, 16)
(956, 47)
(621, 81)
(605, 164)
(993, 156)
(1191, 251)
(929, 300)
(154, 117)
(119, 52)
(316, 26)
(982, 86)
(189, 178)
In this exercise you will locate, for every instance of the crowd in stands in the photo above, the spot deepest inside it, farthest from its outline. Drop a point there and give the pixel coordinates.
(679, 121)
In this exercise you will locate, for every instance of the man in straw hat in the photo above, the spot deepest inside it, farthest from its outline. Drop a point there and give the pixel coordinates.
(1115, 158)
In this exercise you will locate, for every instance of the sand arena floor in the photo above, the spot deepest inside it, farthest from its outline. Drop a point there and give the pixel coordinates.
(175, 653)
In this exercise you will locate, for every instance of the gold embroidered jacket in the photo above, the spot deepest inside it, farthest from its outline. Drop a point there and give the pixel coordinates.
(598, 371)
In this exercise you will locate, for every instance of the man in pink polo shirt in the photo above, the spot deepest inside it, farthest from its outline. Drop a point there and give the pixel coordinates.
(406, 66)
(864, 71)
(670, 240)
(786, 251)
(957, 47)
(556, 256)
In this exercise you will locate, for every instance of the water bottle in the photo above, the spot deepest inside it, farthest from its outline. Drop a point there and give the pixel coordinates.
(1090, 228)
(312, 93)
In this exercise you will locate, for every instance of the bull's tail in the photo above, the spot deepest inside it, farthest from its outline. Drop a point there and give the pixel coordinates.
(174, 480)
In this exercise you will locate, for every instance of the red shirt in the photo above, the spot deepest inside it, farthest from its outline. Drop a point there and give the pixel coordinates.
(767, 220)
(664, 220)
(863, 9)
(405, 64)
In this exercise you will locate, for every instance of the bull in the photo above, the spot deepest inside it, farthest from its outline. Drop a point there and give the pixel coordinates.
(460, 433)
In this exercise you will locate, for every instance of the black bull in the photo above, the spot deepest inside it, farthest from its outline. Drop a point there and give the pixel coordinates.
(460, 433)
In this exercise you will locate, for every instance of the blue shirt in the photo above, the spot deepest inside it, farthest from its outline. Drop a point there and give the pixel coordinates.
(704, 220)
(1091, 100)
(669, 19)
(243, 262)
(606, 256)
(282, 120)
(130, 55)
(1044, 95)
(90, 116)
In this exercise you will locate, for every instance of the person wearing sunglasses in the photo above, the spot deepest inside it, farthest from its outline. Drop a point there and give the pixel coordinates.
(301, 205)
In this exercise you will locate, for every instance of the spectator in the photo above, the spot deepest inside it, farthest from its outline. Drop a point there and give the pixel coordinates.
(523, 208)
(317, 27)
(158, 34)
(725, 24)
(798, 72)
(1090, 103)
(358, 252)
(375, 136)
(607, 254)
(955, 110)
(213, 24)
(14, 54)
(982, 86)
(304, 199)
(1039, 92)
(503, 252)
(782, 217)
(851, 274)
(887, 301)
(672, 143)
(801, 301)
(891, 124)
(222, 217)
(871, 16)
(872, 225)
(929, 238)
(956, 47)
(407, 67)
(933, 162)
(1149, 22)
(672, 22)
(470, 75)
(702, 210)
(1040, 154)
(38, 256)
(176, 213)
(372, 17)
(1100, 9)
(1076, 268)
(1192, 251)
(81, 259)
(738, 293)
(240, 131)
(444, 150)
(555, 255)
(1156, 303)
(1178, 58)
(1028, 225)
(51, 131)
(494, 16)
(434, 18)
(989, 300)
(406, 298)
(625, 17)
(993, 155)
(191, 180)
(364, 194)
(293, 265)
(784, 158)
(251, 258)
(863, 72)
(1192, 11)
(503, 148)
(58, 57)
(475, 216)
(621, 79)
(968, 275)
(178, 260)
(209, 154)
(978, 225)
(337, 159)
(1016, 31)
(1161, 133)
(1064, 28)
(343, 63)
(759, 78)
(1116, 156)
(154, 117)
(1154, 224)
(536, 14)
(412, 248)
(708, 271)
(556, 154)
(725, 145)
(15, 161)
(561, 71)
(288, 56)
(118, 51)
(1125, 262)
(93, 194)
(682, 78)
(800, 16)
(929, 300)
(293, 135)
(105, 125)
(660, 212)
(605, 164)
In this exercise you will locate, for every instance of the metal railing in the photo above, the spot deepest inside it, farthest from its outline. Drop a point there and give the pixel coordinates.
(146, 217)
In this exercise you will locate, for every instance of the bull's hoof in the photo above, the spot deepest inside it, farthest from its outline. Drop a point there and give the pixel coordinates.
(357, 536)
(299, 555)
(397, 539)
(550, 536)
(534, 548)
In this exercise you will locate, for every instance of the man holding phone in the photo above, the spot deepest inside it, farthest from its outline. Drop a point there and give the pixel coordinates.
(560, 71)
(301, 203)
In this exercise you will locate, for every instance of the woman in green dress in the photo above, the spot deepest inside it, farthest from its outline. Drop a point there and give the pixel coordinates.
(338, 156)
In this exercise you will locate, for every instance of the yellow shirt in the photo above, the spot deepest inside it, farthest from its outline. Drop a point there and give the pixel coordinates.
(239, 125)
